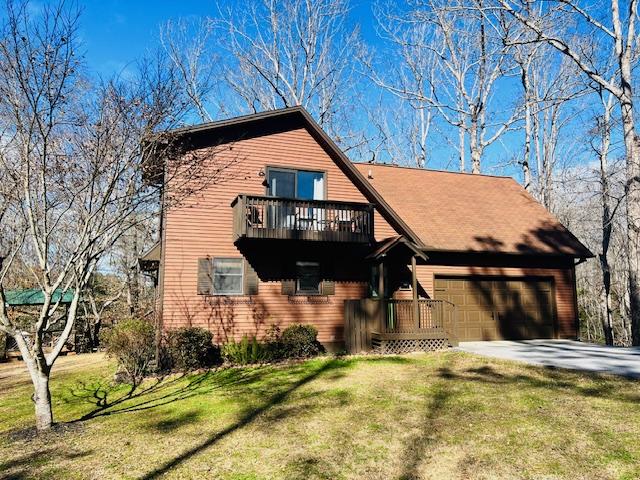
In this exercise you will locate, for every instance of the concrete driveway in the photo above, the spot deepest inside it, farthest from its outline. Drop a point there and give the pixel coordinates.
(563, 354)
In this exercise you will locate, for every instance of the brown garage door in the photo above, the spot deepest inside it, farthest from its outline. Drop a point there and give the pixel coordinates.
(498, 308)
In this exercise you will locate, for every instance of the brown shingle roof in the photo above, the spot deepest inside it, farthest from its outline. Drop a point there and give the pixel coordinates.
(462, 212)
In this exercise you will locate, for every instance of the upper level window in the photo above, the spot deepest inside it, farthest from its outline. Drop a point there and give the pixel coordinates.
(227, 276)
(290, 183)
(308, 278)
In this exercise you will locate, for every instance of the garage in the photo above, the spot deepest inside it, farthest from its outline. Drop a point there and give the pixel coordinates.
(495, 308)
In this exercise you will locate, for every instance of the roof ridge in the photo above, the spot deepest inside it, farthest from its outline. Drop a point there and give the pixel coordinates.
(434, 170)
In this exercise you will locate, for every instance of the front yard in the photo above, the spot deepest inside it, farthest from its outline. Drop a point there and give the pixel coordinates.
(441, 415)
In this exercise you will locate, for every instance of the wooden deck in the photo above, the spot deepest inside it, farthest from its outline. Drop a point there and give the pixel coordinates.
(295, 219)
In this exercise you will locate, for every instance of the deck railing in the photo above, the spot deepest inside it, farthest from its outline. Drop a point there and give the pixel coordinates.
(286, 218)
(390, 319)
(400, 316)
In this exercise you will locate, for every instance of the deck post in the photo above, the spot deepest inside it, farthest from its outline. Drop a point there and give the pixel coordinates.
(414, 287)
(381, 279)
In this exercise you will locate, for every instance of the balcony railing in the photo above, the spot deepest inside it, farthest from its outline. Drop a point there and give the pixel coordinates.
(287, 218)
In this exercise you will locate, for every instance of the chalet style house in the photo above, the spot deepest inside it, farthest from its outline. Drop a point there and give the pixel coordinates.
(374, 256)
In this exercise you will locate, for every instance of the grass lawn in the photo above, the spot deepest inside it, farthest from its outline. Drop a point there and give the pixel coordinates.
(441, 415)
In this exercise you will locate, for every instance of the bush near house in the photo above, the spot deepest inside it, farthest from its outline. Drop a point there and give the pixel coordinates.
(246, 351)
(191, 348)
(300, 341)
(132, 343)
(295, 341)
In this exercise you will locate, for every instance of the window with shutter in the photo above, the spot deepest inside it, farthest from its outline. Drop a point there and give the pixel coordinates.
(228, 276)
(205, 276)
(308, 281)
(222, 276)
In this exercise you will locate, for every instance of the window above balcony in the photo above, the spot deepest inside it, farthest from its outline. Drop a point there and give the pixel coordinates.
(292, 183)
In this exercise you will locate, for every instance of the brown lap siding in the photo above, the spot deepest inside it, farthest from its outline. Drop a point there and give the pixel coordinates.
(202, 226)
(235, 316)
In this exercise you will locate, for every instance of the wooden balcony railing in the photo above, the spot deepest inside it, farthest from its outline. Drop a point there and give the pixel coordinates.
(286, 218)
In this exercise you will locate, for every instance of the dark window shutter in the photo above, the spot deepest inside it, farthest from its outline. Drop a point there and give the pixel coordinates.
(327, 287)
(288, 287)
(251, 279)
(205, 276)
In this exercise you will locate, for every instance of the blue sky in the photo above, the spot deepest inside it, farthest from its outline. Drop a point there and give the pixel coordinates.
(117, 32)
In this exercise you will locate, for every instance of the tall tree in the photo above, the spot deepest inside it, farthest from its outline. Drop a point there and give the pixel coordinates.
(456, 60)
(615, 38)
(291, 52)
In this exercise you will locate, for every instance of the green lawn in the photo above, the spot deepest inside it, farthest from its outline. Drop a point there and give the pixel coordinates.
(440, 415)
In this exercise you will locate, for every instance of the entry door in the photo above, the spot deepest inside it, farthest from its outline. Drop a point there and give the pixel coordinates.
(495, 309)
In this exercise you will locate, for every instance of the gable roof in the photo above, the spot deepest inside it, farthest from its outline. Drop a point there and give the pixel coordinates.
(246, 126)
(461, 212)
(388, 244)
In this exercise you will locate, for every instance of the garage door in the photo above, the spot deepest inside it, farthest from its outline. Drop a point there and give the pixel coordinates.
(499, 309)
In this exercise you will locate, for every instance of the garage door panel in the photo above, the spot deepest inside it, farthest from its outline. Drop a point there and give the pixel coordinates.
(493, 309)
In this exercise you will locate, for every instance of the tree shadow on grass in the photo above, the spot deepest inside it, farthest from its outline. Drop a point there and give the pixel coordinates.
(109, 399)
(417, 446)
(444, 391)
(247, 417)
(170, 424)
(23, 466)
(600, 386)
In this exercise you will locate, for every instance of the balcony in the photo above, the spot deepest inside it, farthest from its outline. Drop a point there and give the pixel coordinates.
(294, 219)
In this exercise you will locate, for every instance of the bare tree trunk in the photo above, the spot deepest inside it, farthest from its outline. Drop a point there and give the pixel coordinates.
(42, 400)
(476, 151)
(633, 214)
(607, 225)
(526, 166)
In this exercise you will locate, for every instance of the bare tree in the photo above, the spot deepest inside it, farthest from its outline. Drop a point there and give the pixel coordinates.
(75, 162)
(98, 299)
(187, 46)
(291, 52)
(602, 150)
(456, 60)
(615, 38)
(405, 70)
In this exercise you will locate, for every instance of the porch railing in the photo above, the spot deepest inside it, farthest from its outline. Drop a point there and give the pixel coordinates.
(400, 316)
(286, 218)
(395, 319)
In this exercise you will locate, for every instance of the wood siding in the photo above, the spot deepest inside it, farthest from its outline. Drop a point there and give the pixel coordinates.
(202, 226)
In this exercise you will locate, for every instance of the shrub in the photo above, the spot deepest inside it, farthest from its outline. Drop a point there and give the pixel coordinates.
(245, 351)
(131, 343)
(299, 341)
(191, 348)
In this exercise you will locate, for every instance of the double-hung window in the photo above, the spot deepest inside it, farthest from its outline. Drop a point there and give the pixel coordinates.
(227, 276)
